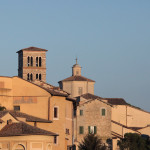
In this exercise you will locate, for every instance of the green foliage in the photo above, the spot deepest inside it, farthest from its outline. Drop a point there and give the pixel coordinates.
(133, 141)
(91, 142)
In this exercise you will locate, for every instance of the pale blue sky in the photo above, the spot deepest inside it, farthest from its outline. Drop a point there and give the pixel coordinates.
(111, 39)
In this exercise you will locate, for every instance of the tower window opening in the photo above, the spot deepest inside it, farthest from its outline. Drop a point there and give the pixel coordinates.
(37, 76)
(31, 77)
(37, 59)
(40, 76)
(40, 61)
(31, 61)
(28, 63)
(28, 77)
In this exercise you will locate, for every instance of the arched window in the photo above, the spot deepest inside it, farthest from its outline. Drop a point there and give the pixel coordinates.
(19, 147)
(28, 77)
(40, 61)
(37, 59)
(49, 147)
(37, 76)
(40, 76)
(28, 61)
(31, 77)
(31, 61)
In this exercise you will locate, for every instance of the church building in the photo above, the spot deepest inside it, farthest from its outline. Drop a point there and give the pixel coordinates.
(77, 84)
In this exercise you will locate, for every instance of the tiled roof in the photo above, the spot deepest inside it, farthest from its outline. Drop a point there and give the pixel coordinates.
(55, 91)
(77, 78)
(32, 49)
(90, 96)
(17, 129)
(112, 101)
(116, 101)
(29, 118)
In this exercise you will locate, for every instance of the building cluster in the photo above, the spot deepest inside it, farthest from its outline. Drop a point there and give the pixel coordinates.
(40, 116)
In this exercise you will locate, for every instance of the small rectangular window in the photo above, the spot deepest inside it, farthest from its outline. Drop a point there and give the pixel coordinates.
(81, 112)
(103, 111)
(80, 90)
(55, 140)
(81, 129)
(17, 108)
(55, 112)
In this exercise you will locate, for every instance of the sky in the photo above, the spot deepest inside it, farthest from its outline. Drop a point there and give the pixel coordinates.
(110, 38)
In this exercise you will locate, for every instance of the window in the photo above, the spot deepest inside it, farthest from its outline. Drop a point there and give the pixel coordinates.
(17, 108)
(37, 59)
(81, 130)
(31, 77)
(55, 112)
(37, 76)
(28, 61)
(31, 61)
(28, 77)
(55, 140)
(81, 112)
(40, 77)
(80, 91)
(40, 61)
(92, 129)
(67, 131)
(103, 112)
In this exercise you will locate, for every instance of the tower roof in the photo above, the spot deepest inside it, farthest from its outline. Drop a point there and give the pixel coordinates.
(32, 49)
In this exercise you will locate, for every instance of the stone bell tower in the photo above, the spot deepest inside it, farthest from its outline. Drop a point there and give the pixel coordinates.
(32, 64)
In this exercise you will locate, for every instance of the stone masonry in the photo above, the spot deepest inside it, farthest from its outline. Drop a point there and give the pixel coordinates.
(25, 69)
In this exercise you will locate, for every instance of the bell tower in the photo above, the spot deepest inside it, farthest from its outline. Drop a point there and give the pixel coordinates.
(32, 64)
(76, 69)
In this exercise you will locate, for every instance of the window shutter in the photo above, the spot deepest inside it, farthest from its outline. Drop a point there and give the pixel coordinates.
(95, 129)
(103, 112)
(81, 130)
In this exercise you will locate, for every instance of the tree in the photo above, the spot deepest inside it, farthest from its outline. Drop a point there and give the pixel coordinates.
(91, 142)
(132, 141)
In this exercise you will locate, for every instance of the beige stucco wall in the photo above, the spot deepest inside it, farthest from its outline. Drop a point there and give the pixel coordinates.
(130, 116)
(31, 142)
(35, 101)
(72, 87)
(145, 130)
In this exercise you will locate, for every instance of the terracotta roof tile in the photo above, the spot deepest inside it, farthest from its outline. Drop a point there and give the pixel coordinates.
(29, 118)
(116, 101)
(77, 78)
(55, 91)
(21, 128)
(90, 96)
(112, 101)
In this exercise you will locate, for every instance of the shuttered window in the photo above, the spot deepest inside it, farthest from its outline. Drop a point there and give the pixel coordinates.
(81, 112)
(81, 130)
(103, 111)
